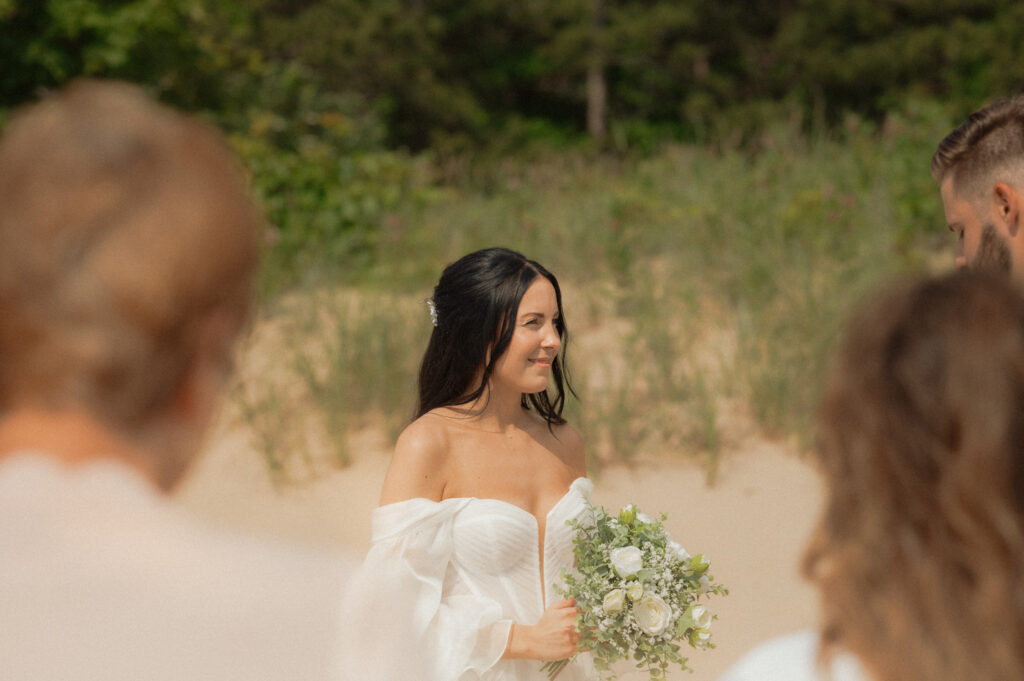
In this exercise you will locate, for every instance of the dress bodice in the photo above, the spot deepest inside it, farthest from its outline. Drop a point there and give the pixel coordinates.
(496, 551)
(455, 574)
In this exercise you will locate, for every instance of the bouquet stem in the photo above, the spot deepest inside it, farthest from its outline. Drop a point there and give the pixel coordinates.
(554, 667)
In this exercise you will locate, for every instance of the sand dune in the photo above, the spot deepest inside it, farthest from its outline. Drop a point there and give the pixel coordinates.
(752, 523)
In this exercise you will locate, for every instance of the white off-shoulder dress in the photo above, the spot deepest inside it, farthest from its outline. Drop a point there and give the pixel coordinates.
(444, 581)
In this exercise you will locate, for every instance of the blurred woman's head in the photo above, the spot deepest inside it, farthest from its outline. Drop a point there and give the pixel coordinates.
(919, 556)
(497, 319)
(129, 247)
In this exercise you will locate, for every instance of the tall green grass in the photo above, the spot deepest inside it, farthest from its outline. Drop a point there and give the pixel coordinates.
(323, 364)
(703, 285)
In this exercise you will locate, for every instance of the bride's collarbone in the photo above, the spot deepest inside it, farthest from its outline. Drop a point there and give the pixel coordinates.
(532, 467)
(523, 470)
(464, 440)
(533, 489)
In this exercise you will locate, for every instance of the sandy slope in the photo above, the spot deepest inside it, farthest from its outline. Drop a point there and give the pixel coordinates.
(752, 523)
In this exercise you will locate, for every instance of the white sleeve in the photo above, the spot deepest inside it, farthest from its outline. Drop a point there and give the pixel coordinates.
(793, 657)
(403, 624)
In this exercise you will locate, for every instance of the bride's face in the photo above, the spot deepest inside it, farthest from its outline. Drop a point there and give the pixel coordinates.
(525, 366)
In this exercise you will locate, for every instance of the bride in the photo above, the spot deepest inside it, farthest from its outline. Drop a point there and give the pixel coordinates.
(471, 534)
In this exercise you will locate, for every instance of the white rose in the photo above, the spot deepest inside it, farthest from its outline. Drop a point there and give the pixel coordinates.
(644, 518)
(677, 550)
(635, 591)
(627, 561)
(704, 584)
(614, 600)
(700, 616)
(652, 614)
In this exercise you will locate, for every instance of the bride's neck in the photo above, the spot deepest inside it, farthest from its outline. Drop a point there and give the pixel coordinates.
(498, 411)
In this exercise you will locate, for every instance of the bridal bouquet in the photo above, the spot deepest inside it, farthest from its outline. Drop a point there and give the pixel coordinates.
(637, 592)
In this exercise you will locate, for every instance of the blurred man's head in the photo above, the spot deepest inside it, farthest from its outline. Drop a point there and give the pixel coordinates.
(127, 248)
(980, 170)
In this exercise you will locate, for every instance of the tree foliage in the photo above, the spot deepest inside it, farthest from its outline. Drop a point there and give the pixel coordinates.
(323, 97)
(45, 43)
(437, 70)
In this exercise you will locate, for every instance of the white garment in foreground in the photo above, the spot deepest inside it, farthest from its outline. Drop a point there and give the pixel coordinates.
(103, 579)
(793, 657)
(444, 581)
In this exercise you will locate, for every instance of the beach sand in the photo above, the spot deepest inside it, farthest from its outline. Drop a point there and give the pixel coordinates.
(752, 522)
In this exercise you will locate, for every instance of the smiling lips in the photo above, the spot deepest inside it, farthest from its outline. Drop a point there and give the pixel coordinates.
(544, 362)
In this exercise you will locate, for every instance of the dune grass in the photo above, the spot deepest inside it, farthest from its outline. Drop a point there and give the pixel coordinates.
(703, 286)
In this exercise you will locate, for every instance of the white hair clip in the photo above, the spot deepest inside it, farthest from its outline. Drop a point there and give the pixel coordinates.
(432, 306)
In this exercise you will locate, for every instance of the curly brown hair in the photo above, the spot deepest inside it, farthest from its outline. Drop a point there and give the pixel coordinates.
(919, 554)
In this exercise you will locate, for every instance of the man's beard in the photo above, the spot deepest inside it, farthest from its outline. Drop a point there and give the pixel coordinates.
(993, 252)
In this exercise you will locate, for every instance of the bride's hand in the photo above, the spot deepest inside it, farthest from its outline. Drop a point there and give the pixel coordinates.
(553, 637)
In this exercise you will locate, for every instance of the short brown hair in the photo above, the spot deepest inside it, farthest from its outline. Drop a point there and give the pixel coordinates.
(123, 225)
(919, 555)
(986, 148)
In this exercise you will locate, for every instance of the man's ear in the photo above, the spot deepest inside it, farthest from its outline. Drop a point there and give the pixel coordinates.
(1007, 204)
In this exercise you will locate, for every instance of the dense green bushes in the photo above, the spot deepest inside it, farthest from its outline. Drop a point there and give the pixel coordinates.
(318, 167)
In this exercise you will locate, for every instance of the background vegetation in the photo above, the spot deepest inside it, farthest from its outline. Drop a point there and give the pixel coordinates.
(714, 183)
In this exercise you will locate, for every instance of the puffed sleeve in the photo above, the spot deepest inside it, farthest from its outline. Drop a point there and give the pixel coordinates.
(404, 625)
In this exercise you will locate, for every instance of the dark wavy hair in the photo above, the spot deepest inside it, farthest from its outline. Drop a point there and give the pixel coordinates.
(476, 301)
(919, 554)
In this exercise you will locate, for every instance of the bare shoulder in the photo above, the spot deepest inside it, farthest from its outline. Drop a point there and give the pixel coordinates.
(571, 449)
(419, 465)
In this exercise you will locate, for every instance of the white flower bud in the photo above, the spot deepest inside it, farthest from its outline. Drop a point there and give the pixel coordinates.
(674, 548)
(700, 615)
(614, 601)
(635, 590)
